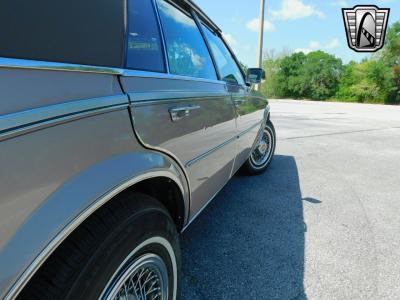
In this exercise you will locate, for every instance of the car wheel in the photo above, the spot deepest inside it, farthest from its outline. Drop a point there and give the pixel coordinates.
(263, 151)
(127, 250)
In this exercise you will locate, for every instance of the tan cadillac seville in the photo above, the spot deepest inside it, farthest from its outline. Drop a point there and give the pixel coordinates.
(119, 121)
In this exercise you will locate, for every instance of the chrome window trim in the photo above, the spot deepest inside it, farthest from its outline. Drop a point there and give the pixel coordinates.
(162, 35)
(20, 122)
(146, 74)
(162, 97)
(190, 12)
(70, 227)
(126, 29)
(16, 63)
(198, 24)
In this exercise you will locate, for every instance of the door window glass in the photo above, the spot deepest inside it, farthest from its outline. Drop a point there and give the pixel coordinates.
(186, 49)
(226, 64)
(144, 49)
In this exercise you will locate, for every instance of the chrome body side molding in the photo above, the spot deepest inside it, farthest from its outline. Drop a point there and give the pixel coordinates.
(204, 155)
(17, 123)
(16, 63)
(163, 97)
(209, 152)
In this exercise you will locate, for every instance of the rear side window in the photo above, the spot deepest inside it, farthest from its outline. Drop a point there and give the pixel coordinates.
(144, 46)
(187, 52)
(226, 64)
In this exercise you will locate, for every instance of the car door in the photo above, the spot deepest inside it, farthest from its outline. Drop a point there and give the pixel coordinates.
(249, 105)
(178, 105)
(250, 119)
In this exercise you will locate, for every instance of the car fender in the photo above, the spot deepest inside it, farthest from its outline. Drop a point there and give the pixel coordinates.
(72, 203)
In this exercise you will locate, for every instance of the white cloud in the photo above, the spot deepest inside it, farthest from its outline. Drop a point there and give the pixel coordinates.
(304, 50)
(341, 3)
(315, 45)
(254, 25)
(229, 39)
(296, 9)
(333, 44)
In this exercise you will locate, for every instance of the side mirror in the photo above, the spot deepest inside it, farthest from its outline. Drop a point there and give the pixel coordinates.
(255, 75)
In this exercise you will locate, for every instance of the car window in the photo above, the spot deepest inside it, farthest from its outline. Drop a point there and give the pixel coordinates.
(186, 49)
(226, 64)
(144, 46)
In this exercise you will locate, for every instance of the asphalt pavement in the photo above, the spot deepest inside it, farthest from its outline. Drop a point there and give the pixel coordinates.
(322, 223)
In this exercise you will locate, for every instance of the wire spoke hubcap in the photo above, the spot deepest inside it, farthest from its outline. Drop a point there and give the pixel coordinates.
(146, 278)
(262, 151)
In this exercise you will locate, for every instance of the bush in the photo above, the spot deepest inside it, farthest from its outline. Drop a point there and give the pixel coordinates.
(320, 76)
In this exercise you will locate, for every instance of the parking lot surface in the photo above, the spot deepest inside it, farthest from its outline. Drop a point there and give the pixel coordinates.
(322, 223)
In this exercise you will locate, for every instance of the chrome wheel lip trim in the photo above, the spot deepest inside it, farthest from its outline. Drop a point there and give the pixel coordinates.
(267, 155)
(31, 270)
(154, 240)
(149, 260)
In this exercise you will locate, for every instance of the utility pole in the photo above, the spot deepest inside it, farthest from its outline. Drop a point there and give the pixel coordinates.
(261, 38)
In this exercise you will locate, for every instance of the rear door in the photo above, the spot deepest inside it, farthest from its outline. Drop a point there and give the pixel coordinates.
(250, 111)
(178, 104)
(249, 106)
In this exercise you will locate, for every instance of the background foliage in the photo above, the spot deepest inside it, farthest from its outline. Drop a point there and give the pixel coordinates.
(321, 76)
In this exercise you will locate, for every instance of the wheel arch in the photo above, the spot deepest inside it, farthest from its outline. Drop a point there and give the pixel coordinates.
(164, 171)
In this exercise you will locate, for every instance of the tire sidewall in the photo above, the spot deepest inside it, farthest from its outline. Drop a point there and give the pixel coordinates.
(150, 231)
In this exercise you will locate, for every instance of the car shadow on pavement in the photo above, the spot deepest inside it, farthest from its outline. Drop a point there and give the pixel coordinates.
(249, 242)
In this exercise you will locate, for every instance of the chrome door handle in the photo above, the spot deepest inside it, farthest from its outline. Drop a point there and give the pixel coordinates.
(178, 113)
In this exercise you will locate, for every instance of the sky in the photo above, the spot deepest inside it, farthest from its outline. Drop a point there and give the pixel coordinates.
(295, 25)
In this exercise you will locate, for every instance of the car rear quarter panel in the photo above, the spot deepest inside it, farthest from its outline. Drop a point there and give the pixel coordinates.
(23, 89)
(50, 175)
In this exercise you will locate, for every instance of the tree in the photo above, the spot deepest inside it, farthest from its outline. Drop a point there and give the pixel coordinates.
(320, 76)
(374, 80)
(315, 75)
(368, 81)
(272, 86)
(322, 73)
(391, 51)
(391, 57)
(290, 75)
